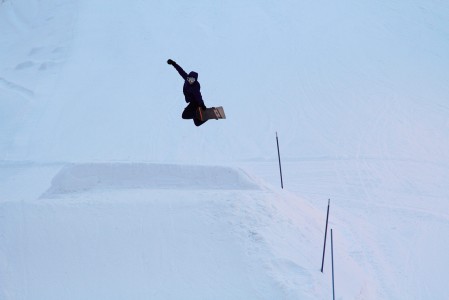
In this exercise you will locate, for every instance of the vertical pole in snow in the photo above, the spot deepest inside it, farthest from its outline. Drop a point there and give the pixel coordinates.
(325, 235)
(332, 254)
(279, 157)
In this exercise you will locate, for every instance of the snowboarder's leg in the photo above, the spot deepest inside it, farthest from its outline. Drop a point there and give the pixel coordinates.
(198, 119)
(189, 112)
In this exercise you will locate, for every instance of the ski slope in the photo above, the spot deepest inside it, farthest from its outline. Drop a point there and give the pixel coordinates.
(106, 193)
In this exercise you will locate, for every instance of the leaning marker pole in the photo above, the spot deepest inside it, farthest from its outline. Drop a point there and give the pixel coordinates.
(325, 235)
(279, 157)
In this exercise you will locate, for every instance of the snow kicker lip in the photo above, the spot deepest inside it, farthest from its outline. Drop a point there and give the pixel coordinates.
(76, 178)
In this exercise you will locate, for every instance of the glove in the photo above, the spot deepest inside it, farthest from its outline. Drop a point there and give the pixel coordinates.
(203, 107)
(171, 62)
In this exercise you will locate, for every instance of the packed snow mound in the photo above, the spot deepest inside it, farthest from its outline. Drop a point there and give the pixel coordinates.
(75, 178)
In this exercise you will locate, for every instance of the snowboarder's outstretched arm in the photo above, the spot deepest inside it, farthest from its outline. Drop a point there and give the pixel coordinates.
(178, 68)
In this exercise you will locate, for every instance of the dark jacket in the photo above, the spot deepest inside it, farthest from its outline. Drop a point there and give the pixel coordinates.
(191, 92)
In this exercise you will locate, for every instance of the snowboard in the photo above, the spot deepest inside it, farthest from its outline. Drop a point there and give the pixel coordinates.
(210, 113)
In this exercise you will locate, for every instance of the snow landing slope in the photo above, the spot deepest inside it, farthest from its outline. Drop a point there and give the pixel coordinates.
(113, 231)
(96, 161)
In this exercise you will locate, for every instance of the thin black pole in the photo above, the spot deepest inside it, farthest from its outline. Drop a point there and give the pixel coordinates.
(332, 254)
(325, 235)
(279, 157)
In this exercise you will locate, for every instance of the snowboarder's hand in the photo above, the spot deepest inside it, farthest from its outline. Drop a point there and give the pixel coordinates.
(170, 62)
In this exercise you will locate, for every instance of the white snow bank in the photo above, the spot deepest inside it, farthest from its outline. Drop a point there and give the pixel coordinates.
(91, 176)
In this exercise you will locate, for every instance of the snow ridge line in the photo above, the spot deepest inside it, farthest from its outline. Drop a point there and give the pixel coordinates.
(23, 91)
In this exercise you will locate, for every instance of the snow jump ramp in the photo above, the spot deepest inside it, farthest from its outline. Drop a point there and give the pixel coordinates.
(76, 178)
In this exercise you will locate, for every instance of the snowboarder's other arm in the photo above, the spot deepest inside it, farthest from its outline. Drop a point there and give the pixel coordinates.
(178, 68)
(199, 99)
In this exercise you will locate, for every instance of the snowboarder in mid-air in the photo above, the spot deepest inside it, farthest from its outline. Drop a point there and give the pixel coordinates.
(196, 109)
(192, 95)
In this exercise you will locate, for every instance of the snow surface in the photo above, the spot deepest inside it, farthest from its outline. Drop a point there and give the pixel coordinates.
(106, 193)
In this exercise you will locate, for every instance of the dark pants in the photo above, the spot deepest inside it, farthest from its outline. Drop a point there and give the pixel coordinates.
(190, 113)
